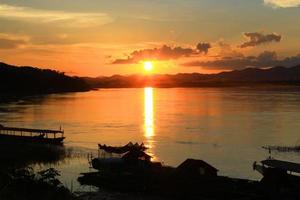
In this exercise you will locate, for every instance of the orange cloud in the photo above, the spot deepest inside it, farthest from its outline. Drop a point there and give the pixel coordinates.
(163, 53)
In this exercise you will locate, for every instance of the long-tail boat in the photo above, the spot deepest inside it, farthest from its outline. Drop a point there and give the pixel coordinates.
(124, 156)
(278, 171)
(40, 136)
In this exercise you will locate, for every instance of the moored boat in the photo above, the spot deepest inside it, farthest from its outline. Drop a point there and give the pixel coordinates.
(129, 155)
(278, 171)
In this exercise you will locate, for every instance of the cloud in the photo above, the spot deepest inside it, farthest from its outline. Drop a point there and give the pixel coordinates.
(255, 39)
(73, 19)
(265, 59)
(282, 3)
(164, 53)
(11, 42)
(203, 47)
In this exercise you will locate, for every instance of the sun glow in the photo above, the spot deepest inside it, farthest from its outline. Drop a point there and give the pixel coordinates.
(148, 66)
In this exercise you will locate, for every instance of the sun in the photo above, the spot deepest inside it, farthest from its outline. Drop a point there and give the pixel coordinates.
(148, 66)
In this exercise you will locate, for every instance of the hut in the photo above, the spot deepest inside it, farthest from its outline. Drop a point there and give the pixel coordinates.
(192, 167)
(134, 156)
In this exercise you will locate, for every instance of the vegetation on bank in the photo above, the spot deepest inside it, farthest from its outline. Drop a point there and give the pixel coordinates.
(25, 184)
(18, 181)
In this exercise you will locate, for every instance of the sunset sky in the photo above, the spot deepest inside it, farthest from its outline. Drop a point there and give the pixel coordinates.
(98, 37)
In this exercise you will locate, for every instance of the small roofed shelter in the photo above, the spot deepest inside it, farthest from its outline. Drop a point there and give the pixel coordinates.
(135, 155)
(192, 167)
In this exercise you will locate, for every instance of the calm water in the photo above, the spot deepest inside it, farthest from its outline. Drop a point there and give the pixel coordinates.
(225, 127)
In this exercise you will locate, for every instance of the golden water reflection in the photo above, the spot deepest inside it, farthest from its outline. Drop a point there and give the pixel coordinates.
(148, 113)
(149, 131)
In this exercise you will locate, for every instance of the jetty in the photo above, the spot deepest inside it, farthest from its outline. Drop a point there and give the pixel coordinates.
(42, 136)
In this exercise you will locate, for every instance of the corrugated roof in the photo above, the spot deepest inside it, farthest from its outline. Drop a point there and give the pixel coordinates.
(191, 163)
(284, 165)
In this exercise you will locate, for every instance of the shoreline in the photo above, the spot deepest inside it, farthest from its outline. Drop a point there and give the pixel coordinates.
(14, 97)
(17, 96)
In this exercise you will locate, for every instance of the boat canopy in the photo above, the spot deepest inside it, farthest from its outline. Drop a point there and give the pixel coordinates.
(283, 165)
(123, 149)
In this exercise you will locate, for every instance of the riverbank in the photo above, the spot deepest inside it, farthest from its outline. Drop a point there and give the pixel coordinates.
(109, 195)
(143, 187)
(24, 183)
(233, 189)
(177, 187)
(19, 179)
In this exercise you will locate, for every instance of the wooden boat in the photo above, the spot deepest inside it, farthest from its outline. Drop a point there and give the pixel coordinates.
(27, 135)
(123, 149)
(285, 166)
(278, 171)
(127, 155)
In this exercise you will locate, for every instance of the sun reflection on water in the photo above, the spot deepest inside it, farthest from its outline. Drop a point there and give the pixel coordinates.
(149, 131)
(149, 121)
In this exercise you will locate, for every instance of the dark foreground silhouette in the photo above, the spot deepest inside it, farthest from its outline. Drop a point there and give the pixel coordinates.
(25, 184)
(18, 181)
(133, 174)
(132, 171)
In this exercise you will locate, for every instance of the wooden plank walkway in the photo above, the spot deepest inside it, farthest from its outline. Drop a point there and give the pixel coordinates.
(29, 131)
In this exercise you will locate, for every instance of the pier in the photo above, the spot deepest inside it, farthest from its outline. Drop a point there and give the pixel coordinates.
(32, 135)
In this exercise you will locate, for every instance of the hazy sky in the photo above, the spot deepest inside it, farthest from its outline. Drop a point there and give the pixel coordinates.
(97, 37)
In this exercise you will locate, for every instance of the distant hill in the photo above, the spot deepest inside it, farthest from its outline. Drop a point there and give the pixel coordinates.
(20, 81)
(248, 77)
(29, 80)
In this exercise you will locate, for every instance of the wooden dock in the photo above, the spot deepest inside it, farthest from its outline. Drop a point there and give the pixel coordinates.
(31, 135)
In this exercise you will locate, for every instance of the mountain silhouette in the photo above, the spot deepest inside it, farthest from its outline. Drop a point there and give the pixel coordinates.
(248, 76)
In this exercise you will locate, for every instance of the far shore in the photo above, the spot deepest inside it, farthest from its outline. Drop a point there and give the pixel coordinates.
(17, 96)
